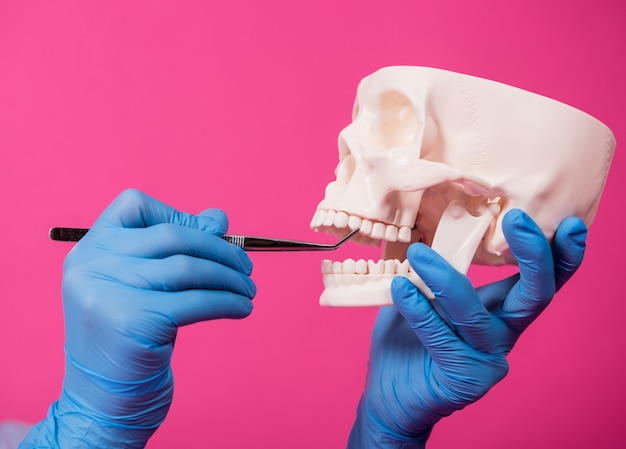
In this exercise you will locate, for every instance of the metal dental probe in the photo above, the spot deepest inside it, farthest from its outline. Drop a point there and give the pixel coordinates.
(247, 243)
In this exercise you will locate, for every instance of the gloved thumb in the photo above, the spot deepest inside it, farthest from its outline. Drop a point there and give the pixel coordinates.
(419, 313)
(213, 221)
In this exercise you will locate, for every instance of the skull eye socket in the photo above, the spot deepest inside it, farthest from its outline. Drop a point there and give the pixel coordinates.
(397, 123)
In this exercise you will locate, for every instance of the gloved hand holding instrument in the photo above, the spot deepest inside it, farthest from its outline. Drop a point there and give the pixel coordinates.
(143, 270)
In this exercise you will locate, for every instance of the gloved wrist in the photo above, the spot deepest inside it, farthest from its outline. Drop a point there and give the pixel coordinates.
(94, 411)
(67, 426)
(368, 432)
(129, 404)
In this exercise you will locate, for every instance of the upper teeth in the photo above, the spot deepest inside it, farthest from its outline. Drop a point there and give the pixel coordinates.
(377, 230)
(361, 266)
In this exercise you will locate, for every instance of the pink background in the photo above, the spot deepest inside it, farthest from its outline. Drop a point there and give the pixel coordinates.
(237, 105)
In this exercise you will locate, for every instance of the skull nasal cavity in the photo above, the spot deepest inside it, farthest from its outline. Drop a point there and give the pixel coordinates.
(345, 169)
(397, 123)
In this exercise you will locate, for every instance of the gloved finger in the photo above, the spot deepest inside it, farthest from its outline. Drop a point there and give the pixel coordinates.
(457, 297)
(568, 249)
(134, 209)
(536, 285)
(166, 240)
(180, 272)
(440, 341)
(492, 295)
(191, 306)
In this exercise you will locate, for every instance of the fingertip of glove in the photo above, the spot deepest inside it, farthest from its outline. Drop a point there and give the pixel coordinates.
(232, 306)
(241, 309)
(574, 229)
(246, 309)
(402, 291)
(524, 236)
(419, 253)
(252, 289)
(213, 220)
(245, 263)
(407, 299)
(400, 284)
(425, 261)
(517, 219)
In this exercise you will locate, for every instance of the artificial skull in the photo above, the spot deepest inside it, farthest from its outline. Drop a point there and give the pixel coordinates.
(440, 157)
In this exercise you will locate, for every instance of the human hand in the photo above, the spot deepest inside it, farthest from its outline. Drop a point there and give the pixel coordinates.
(143, 270)
(420, 370)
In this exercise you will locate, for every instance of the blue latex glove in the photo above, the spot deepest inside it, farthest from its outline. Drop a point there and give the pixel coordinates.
(143, 270)
(420, 370)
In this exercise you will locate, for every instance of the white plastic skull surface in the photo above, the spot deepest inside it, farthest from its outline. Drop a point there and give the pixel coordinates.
(440, 157)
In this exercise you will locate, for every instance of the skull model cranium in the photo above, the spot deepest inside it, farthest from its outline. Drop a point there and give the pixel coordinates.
(440, 157)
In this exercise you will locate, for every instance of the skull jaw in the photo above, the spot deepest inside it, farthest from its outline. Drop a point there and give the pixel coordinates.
(457, 247)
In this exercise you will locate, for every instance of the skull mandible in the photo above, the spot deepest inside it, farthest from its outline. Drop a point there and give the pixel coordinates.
(440, 157)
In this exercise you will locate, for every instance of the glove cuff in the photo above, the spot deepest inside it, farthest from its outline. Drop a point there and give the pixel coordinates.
(367, 433)
(140, 404)
(66, 427)
(94, 411)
